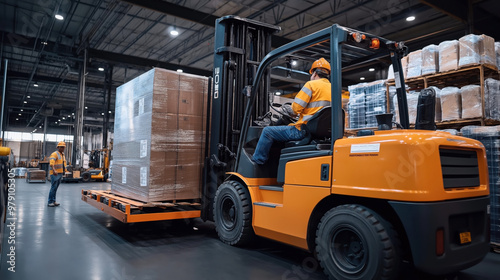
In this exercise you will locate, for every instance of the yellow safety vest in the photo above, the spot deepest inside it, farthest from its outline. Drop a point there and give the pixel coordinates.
(311, 98)
(58, 161)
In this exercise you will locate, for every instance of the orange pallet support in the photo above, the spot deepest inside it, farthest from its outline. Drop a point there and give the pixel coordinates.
(126, 216)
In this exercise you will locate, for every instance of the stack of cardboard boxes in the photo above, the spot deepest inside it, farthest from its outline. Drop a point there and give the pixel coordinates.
(159, 137)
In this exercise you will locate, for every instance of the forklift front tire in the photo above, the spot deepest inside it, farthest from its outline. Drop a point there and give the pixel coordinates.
(354, 242)
(233, 213)
(85, 177)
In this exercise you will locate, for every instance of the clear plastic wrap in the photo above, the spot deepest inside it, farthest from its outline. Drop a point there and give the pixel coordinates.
(489, 136)
(160, 121)
(356, 106)
(404, 65)
(487, 50)
(471, 102)
(492, 99)
(375, 101)
(414, 64)
(497, 52)
(469, 50)
(448, 56)
(451, 103)
(412, 99)
(430, 60)
(450, 131)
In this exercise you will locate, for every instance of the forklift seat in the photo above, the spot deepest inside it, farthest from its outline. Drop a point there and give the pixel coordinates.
(319, 127)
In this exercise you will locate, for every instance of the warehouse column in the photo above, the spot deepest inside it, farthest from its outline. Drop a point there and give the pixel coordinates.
(44, 149)
(108, 81)
(3, 97)
(80, 109)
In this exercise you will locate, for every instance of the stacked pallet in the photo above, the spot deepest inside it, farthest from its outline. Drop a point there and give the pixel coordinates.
(159, 136)
(489, 136)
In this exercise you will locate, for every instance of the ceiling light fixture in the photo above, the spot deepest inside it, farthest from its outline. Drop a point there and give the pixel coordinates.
(20, 114)
(174, 32)
(100, 69)
(410, 18)
(22, 110)
(58, 16)
(371, 69)
(179, 70)
(28, 96)
(17, 119)
(25, 102)
(86, 107)
(44, 43)
(35, 84)
(294, 62)
(362, 78)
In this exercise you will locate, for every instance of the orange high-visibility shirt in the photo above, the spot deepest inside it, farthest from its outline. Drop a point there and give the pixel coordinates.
(311, 98)
(58, 161)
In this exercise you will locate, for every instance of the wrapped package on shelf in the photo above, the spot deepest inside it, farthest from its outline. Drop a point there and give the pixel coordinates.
(375, 101)
(414, 64)
(471, 102)
(489, 136)
(412, 98)
(448, 56)
(451, 104)
(497, 52)
(404, 66)
(430, 60)
(492, 99)
(487, 50)
(356, 106)
(469, 50)
(159, 136)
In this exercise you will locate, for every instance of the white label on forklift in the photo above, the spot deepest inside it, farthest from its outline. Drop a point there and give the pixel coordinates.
(141, 106)
(124, 175)
(365, 148)
(144, 148)
(144, 176)
(397, 80)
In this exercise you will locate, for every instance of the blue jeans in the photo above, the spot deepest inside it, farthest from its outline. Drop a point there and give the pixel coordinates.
(272, 134)
(54, 185)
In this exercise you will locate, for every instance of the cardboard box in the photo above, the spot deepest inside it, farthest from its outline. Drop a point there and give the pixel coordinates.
(430, 60)
(451, 103)
(469, 50)
(471, 102)
(448, 56)
(414, 64)
(487, 50)
(159, 139)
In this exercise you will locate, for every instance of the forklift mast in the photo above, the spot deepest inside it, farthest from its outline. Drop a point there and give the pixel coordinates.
(240, 45)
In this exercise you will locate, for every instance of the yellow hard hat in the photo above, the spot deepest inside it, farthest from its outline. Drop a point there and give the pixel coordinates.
(61, 144)
(320, 63)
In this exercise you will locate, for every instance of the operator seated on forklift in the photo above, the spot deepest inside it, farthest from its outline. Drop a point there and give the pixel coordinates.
(316, 94)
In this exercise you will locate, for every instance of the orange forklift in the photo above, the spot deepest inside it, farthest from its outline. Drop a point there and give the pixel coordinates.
(362, 204)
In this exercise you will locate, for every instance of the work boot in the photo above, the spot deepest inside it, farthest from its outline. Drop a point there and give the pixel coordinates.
(51, 204)
(56, 204)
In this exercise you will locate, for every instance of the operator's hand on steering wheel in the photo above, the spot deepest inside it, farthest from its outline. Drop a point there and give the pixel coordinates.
(287, 110)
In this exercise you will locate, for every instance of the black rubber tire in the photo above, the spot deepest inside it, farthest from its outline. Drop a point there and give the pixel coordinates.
(86, 177)
(233, 213)
(354, 242)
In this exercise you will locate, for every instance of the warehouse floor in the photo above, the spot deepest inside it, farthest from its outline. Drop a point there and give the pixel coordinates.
(77, 241)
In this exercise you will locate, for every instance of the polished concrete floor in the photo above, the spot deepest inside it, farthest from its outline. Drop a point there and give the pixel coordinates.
(76, 241)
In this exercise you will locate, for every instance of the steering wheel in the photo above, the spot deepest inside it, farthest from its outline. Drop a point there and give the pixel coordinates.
(283, 114)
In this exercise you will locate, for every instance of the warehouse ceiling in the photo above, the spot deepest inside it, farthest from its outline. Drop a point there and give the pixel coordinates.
(129, 37)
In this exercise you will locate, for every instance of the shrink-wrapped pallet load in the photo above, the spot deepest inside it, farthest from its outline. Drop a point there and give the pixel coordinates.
(448, 56)
(414, 64)
(451, 104)
(487, 50)
(489, 136)
(356, 106)
(492, 99)
(430, 60)
(159, 136)
(497, 51)
(438, 113)
(471, 102)
(469, 50)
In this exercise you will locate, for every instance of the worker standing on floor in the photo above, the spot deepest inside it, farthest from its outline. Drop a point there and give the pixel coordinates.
(315, 95)
(57, 169)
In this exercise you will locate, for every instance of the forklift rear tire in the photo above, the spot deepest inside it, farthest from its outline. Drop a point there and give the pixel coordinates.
(233, 213)
(85, 177)
(354, 242)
